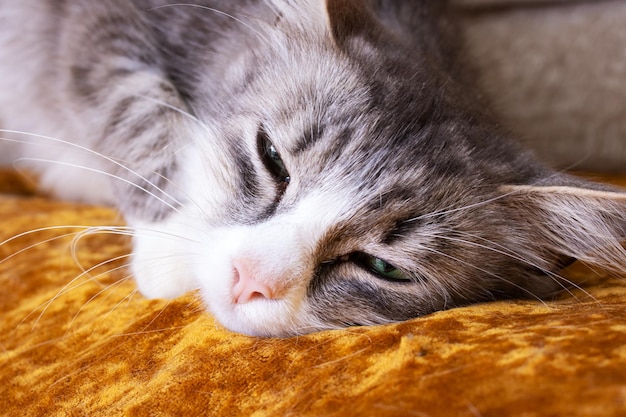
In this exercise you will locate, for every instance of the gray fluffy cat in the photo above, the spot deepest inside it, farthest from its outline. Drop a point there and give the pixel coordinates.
(306, 164)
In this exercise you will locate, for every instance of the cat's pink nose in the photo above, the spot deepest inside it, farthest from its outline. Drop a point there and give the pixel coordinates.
(246, 288)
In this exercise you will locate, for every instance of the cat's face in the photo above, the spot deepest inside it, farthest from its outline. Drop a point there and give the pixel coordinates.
(341, 178)
(352, 190)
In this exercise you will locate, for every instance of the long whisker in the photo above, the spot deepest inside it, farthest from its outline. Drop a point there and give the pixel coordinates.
(506, 252)
(128, 297)
(95, 230)
(34, 245)
(70, 287)
(86, 168)
(96, 295)
(446, 211)
(77, 236)
(217, 11)
(457, 209)
(489, 273)
(53, 228)
(167, 105)
(193, 118)
(92, 152)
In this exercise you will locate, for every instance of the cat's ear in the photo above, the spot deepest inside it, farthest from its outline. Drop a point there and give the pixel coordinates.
(574, 219)
(347, 19)
(342, 19)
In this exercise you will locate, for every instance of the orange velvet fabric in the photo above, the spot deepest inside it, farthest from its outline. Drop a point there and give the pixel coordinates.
(80, 341)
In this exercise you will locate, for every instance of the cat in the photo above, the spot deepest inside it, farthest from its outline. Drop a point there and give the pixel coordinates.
(305, 165)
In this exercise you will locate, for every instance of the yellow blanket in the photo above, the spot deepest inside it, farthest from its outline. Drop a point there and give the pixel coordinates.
(81, 341)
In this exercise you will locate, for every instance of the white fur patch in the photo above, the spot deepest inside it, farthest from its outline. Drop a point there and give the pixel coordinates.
(284, 250)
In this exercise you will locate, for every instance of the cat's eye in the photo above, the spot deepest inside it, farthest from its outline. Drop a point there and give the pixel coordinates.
(271, 158)
(382, 268)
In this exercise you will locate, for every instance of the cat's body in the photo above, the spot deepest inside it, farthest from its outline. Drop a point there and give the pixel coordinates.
(393, 196)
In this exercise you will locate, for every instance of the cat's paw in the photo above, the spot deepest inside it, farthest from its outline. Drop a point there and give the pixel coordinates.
(159, 260)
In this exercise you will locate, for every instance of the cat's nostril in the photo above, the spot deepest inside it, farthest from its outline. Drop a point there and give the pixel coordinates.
(246, 288)
(235, 276)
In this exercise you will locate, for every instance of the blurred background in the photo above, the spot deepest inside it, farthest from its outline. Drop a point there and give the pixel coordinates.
(554, 73)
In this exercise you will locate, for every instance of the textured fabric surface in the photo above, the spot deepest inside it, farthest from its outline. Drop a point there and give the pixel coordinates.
(81, 341)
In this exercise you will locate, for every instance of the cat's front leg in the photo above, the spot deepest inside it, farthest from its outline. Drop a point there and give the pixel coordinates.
(149, 187)
(160, 257)
(139, 124)
(146, 129)
(130, 115)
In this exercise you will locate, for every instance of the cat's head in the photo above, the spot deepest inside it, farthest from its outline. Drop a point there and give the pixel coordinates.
(345, 180)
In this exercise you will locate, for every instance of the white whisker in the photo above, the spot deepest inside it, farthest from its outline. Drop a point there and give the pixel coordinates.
(198, 122)
(174, 108)
(506, 252)
(214, 10)
(70, 287)
(96, 295)
(488, 273)
(446, 211)
(34, 245)
(128, 297)
(91, 152)
(116, 177)
(518, 257)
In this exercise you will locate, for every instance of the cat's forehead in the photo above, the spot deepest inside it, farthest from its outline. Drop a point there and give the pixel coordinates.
(385, 131)
(319, 92)
(386, 137)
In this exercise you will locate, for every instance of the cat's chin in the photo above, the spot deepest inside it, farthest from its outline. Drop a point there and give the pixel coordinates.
(264, 318)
